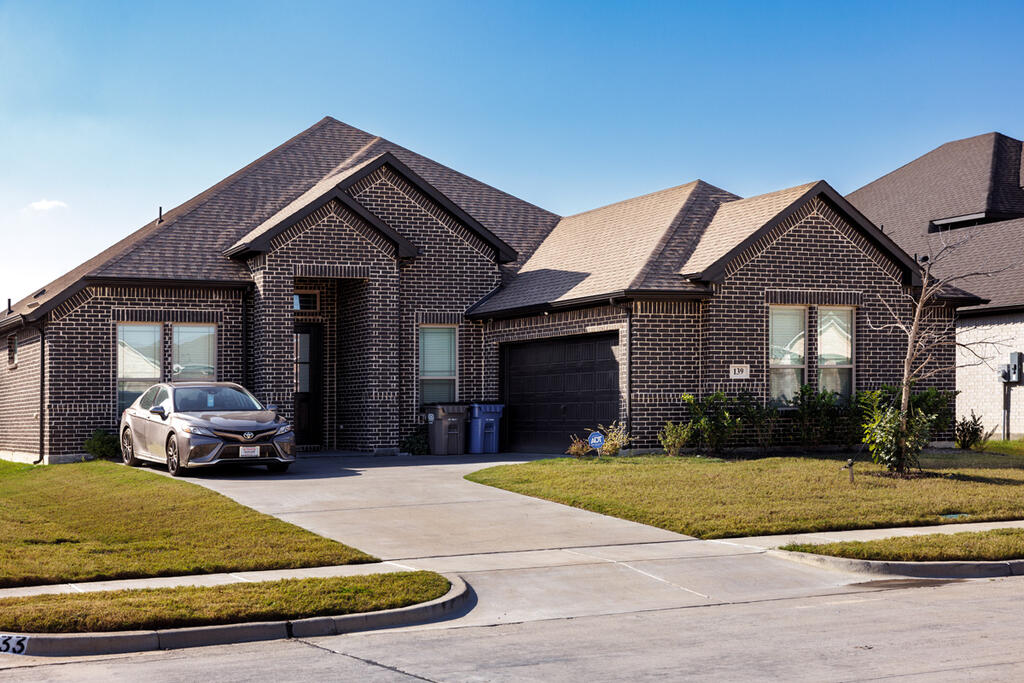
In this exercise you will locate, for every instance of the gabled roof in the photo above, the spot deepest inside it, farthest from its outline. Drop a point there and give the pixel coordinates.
(739, 224)
(673, 242)
(335, 185)
(734, 222)
(188, 245)
(601, 252)
(979, 177)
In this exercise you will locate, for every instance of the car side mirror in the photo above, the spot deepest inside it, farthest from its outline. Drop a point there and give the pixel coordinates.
(158, 410)
(272, 408)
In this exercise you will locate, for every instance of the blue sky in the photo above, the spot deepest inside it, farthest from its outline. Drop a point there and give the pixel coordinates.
(109, 109)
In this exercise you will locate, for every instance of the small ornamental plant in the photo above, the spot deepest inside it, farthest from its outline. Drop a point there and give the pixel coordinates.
(578, 447)
(674, 437)
(615, 438)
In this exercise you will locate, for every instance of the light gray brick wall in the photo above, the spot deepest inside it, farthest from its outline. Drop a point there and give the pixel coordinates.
(992, 337)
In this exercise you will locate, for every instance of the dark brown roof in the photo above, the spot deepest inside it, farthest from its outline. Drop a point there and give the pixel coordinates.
(979, 176)
(188, 244)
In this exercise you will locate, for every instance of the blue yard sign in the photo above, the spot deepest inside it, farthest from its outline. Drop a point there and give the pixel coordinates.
(596, 440)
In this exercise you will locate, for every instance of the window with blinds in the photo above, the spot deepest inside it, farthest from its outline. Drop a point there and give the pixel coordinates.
(438, 373)
(787, 333)
(835, 350)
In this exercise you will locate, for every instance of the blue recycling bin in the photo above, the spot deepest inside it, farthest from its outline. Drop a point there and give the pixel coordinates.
(483, 427)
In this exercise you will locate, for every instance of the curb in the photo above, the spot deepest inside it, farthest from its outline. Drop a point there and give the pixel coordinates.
(919, 570)
(75, 644)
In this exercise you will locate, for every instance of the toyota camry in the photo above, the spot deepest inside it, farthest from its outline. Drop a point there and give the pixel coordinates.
(199, 424)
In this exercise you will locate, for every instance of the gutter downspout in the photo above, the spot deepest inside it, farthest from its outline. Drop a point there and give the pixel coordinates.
(42, 394)
(628, 309)
(245, 339)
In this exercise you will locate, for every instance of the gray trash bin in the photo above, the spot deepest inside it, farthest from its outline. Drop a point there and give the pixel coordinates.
(447, 429)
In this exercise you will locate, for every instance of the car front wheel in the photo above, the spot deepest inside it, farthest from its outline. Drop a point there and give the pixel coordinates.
(174, 466)
(128, 449)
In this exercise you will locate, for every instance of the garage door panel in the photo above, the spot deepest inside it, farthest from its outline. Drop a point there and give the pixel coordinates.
(557, 387)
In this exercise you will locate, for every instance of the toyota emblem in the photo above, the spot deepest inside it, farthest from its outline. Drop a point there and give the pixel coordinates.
(248, 436)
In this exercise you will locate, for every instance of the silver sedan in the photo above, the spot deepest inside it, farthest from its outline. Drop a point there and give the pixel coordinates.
(199, 424)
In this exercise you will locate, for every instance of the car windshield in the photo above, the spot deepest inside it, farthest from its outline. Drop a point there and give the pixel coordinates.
(216, 399)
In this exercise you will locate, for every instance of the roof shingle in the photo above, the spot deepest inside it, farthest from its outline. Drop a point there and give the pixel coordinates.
(977, 175)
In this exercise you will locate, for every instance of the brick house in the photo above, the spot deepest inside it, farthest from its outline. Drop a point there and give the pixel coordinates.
(350, 282)
(968, 193)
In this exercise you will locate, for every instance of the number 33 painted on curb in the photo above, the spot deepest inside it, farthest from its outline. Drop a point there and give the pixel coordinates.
(14, 645)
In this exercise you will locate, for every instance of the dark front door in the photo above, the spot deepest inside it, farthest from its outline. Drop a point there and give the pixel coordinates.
(308, 397)
(557, 387)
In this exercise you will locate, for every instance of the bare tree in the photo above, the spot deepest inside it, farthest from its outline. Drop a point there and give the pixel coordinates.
(931, 329)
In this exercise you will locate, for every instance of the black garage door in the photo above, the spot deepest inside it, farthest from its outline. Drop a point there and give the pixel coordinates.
(557, 387)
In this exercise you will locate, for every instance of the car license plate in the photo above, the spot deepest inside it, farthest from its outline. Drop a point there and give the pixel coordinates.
(248, 451)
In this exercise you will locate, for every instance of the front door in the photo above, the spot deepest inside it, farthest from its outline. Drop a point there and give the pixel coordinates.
(308, 396)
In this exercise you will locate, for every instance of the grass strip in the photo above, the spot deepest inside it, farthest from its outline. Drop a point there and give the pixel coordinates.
(993, 545)
(101, 520)
(717, 499)
(159, 608)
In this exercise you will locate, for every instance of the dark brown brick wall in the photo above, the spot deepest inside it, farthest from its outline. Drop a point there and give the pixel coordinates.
(813, 259)
(373, 304)
(19, 393)
(81, 338)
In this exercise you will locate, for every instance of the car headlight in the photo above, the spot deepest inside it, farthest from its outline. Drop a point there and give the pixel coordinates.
(193, 429)
(284, 429)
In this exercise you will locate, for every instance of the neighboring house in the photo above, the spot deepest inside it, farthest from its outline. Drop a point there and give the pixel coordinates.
(968, 193)
(350, 281)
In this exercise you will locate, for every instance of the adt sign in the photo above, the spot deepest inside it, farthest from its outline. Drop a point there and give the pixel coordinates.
(596, 440)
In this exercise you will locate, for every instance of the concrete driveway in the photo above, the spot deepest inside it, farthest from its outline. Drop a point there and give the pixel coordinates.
(525, 558)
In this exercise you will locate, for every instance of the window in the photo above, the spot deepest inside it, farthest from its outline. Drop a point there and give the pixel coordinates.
(787, 332)
(148, 398)
(306, 301)
(12, 350)
(194, 353)
(835, 350)
(437, 364)
(219, 399)
(138, 361)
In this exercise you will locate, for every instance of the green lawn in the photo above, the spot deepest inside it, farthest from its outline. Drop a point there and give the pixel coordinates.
(229, 604)
(1005, 447)
(100, 520)
(998, 544)
(716, 499)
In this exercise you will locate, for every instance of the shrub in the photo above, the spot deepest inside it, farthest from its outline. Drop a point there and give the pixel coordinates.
(103, 445)
(711, 420)
(931, 401)
(578, 447)
(761, 418)
(815, 415)
(417, 443)
(674, 437)
(968, 431)
(890, 445)
(615, 438)
(848, 425)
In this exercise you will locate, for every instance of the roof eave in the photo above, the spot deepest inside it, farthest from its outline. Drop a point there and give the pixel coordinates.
(261, 245)
(12, 322)
(982, 310)
(582, 302)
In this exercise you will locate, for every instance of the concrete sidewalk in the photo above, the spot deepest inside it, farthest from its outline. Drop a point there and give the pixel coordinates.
(204, 579)
(771, 542)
